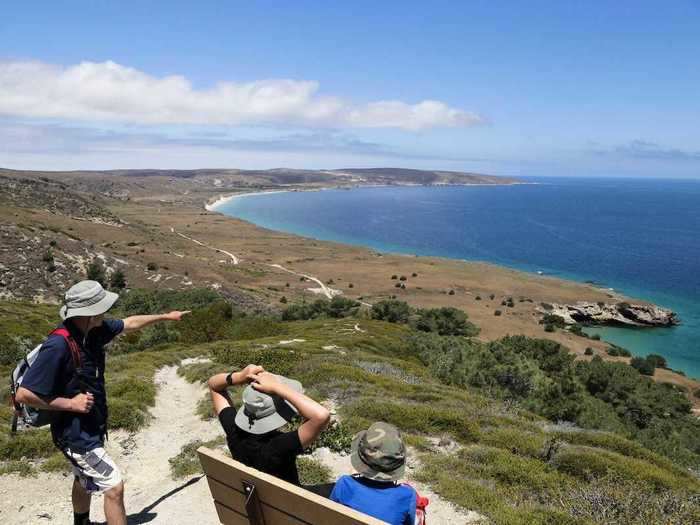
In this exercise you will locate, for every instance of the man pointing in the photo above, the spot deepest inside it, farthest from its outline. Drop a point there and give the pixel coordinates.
(68, 378)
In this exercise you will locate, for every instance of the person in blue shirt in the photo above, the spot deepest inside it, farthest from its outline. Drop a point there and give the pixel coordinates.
(379, 457)
(67, 378)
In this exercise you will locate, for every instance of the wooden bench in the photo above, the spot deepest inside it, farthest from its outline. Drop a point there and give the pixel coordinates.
(246, 496)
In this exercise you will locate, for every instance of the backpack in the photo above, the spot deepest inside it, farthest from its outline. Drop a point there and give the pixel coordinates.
(421, 507)
(30, 416)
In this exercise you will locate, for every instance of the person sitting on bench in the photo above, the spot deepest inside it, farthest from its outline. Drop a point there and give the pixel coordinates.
(269, 402)
(379, 457)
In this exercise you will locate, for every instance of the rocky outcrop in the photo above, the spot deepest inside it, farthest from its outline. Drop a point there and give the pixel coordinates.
(616, 314)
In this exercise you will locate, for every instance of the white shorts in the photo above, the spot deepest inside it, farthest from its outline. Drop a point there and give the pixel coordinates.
(95, 470)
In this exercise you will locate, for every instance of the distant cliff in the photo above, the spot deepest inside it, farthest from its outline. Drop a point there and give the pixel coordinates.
(621, 314)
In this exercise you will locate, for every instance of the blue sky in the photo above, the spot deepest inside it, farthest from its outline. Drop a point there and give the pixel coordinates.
(517, 88)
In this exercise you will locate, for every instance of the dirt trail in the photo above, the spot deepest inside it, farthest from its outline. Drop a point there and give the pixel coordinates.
(234, 259)
(328, 292)
(151, 495)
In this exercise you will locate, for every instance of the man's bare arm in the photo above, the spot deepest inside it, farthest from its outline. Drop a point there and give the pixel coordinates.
(217, 385)
(316, 416)
(82, 403)
(137, 322)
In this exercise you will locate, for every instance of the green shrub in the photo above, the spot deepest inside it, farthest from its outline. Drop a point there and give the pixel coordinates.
(391, 310)
(618, 351)
(31, 443)
(657, 360)
(497, 313)
(96, 272)
(549, 328)
(588, 351)
(313, 472)
(186, 463)
(444, 321)
(152, 267)
(123, 414)
(643, 366)
(117, 281)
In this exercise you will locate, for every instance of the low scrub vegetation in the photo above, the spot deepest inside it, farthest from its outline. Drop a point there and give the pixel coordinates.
(541, 438)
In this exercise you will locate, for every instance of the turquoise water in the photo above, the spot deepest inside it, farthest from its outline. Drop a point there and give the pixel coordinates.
(640, 237)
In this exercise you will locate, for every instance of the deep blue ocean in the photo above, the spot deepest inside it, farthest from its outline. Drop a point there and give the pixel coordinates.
(638, 236)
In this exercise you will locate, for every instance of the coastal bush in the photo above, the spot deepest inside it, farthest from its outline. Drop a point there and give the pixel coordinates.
(391, 310)
(595, 337)
(553, 320)
(283, 300)
(549, 328)
(338, 307)
(152, 267)
(117, 281)
(657, 360)
(588, 351)
(313, 472)
(96, 272)
(444, 321)
(141, 301)
(643, 366)
(618, 351)
(497, 313)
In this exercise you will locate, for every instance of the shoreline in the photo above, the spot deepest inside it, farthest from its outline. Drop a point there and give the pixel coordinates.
(614, 294)
(212, 205)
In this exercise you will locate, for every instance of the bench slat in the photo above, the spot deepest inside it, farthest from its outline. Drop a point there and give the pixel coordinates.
(235, 500)
(277, 496)
(230, 517)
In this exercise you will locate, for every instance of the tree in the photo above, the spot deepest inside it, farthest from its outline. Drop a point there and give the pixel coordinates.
(117, 281)
(95, 272)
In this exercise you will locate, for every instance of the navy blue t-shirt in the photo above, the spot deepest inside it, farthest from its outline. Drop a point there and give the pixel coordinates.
(395, 504)
(53, 374)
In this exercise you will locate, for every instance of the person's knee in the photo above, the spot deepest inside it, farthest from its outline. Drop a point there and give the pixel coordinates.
(116, 493)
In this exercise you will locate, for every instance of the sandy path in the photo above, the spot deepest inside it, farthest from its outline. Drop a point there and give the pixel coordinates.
(143, 459)
(328, 292)
(234, 259)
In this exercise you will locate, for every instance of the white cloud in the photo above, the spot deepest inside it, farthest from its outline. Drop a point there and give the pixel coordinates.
(107, 91)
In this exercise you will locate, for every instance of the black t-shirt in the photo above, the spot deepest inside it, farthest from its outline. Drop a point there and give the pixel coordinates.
(275, 452)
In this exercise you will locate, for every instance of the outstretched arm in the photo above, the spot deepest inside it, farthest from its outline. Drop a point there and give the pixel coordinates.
(218, 384)
(137, 322)
(316, 416)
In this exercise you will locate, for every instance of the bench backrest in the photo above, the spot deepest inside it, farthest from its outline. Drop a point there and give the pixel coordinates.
(245, 496)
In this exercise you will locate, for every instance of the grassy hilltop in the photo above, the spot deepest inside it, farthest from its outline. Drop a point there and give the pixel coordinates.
(486, 420)
(547, 426)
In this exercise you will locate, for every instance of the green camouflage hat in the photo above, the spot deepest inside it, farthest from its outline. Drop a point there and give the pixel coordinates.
(379, 453)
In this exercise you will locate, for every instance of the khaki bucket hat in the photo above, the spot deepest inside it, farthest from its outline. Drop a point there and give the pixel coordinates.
(87, 299)
(262, 413)
(379, 453)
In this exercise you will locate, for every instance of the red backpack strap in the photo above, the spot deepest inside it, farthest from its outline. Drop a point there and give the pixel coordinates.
(72, 345)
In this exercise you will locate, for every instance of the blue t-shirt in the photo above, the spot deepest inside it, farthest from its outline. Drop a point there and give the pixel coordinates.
(395, 504)
(53, 374)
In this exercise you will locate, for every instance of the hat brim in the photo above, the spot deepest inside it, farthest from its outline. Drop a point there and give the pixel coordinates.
(368, 472)
(98, 308)
(284, 412)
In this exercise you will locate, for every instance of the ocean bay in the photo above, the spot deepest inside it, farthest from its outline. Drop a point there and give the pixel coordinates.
(640, 237)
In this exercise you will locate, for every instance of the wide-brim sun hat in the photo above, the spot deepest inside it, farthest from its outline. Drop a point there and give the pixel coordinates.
(262, 413)
(87, 299)
(378, 453)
